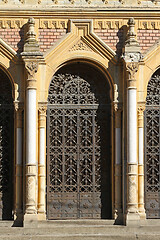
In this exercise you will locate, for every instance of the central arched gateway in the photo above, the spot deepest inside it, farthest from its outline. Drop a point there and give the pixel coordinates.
(79, 144)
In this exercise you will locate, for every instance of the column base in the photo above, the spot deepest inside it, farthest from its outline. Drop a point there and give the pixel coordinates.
(41, 216)
(142, 214)
(30, 221)
(132, 219)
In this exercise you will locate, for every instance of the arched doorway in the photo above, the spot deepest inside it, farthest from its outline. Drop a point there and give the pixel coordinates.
(6, 147)
(79, 144)
(152, 147)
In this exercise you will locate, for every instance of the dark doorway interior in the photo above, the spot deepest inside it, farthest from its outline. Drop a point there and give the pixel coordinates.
(6, 147)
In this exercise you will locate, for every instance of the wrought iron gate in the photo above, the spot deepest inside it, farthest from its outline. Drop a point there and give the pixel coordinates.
(78, 128)
(152, 148)
(6, 147)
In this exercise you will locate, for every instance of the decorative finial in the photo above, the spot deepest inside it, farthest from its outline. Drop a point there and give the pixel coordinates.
(31, 45)
(131, 38)
(31, 36)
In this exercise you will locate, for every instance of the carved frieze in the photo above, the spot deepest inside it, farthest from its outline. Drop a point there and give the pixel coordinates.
(97, 23)
(53, 24)
(11, 23)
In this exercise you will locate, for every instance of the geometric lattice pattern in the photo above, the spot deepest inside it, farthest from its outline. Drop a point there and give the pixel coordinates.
(6, 147)
(74, 121)
(152, 148)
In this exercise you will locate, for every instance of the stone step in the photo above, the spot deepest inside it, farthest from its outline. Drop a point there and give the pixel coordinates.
(81, 229)
(78, 230)
(77, 222)
(82, 237)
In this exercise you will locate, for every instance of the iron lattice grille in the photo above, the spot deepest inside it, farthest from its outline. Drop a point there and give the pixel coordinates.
(152, 148)
(6, 147)
(75, 178)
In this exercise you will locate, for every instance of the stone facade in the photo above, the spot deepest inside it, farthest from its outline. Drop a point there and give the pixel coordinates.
(118, 38)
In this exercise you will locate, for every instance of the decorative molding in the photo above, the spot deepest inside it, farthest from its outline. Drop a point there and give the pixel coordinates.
(80, 46)
(108, 24)
(53, 24)
(11, 23)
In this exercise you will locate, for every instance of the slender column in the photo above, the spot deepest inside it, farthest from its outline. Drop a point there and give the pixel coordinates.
(132, 163)
(42, 163)
(19, 164)
(31, 163)
(141, 163)
(118, 168)
(31, 57)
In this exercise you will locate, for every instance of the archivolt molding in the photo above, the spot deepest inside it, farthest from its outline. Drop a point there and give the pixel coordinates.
(7, 51)
(148, 66)
(81, 31)
(79, 43)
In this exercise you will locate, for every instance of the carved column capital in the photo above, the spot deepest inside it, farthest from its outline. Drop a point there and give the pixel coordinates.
(42, 115)
(132, 68)
(18, 110)
(31, 66)
(140, 111)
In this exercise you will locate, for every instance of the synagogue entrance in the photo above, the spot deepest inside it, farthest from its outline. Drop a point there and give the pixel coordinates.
(79, 144)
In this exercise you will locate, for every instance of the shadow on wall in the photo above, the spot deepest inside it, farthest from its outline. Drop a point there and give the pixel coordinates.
(122, 36)
(22, 34)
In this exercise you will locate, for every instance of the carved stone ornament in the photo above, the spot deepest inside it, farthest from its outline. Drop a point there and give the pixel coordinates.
(132, 68)
(79, 46)
(18, 106)
(32, 68)
(132, 57)
(42, 110)
(115, 98)
(141, 109)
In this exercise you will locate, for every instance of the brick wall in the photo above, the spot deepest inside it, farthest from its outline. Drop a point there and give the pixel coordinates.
(147, 38)
(47, 37)
(13, 37)
(112, 37)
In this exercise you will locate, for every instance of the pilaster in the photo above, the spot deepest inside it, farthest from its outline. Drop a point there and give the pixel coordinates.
(42, 161)
(141, 108)
(18, 215)
(118, 166)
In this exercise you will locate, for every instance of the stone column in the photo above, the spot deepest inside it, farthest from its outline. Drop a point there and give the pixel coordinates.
(31, 57)
(118, 168)
(132, 56)
(18, 216)
(31, 146)
(132, 164)
(42, 163)
(141, 162)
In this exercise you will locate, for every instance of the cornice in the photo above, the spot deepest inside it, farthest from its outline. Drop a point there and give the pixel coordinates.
(81, 13)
